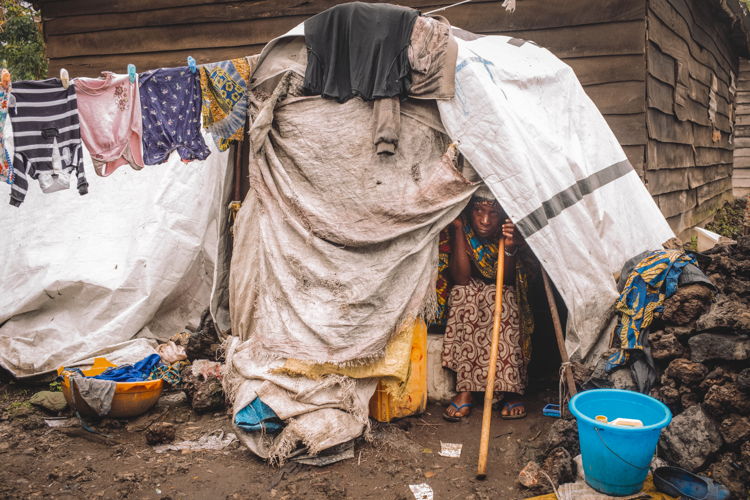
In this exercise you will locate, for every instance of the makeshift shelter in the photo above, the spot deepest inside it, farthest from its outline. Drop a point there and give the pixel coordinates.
(335, 247)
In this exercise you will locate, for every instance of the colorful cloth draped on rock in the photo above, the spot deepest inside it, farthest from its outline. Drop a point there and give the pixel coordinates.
(468, 334)
(652, 280)
(225, 93)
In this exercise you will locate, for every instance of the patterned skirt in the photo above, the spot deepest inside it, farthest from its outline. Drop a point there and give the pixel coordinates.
(468, 335)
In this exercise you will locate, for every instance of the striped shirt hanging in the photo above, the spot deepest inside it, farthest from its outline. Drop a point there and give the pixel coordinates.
(47, 137)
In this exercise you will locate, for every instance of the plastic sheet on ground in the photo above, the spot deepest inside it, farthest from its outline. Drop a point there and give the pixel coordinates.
(84, 275)
(212, 441)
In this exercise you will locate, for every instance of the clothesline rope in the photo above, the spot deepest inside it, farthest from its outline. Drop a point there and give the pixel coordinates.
(510, 6)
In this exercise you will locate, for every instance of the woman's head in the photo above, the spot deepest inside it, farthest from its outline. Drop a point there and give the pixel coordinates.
(485, 216)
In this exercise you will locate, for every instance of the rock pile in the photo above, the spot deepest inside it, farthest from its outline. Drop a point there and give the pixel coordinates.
(701, 352)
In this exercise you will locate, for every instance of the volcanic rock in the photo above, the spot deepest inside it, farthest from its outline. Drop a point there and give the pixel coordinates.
(727, 472)
(682, 333)
(563, 433)
(560, 467)
(726, 314)
(690, 439)
(723, 399)
(665, 345)
(532, 477)
(161, 432)
(743, 380)
(687, 304)
(719, 346)
(686, 371)
(735, 429)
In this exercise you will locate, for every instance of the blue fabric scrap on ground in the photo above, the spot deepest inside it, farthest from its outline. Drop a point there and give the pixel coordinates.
(258, 416)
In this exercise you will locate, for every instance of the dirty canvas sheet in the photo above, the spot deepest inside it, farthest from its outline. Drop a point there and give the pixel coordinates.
(83, 275)
(335, 247)
(526, 125)
(317, 413)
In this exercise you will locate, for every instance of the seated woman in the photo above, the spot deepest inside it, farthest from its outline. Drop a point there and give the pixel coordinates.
(471, 267)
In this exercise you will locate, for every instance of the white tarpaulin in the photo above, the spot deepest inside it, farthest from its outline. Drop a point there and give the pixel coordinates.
(524, 122)
(82, 275)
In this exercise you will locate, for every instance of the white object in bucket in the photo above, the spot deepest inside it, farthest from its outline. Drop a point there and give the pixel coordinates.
(627, 422)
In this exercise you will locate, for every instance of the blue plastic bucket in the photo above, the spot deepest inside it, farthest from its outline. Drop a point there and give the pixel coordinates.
(616, 459)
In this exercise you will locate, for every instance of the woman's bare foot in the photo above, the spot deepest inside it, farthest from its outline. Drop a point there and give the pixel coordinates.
(459, 408)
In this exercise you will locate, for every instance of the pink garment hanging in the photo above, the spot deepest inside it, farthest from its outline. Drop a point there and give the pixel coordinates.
(111, 127)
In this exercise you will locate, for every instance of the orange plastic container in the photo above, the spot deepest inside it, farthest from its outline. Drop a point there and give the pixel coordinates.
(131, 398)
(383, 406)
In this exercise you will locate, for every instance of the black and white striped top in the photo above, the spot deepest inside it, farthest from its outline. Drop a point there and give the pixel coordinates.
(45, 112)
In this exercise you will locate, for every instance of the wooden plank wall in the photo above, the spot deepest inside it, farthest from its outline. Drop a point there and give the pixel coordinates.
(689, 156)
(741, 173)
(605, 45)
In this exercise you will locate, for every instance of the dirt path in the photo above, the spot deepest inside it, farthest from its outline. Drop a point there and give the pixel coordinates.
(41, 462)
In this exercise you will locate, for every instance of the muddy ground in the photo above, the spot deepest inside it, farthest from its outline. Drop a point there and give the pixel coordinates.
(41, 462)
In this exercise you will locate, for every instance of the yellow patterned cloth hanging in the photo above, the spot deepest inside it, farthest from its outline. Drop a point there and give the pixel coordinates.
(224, 91)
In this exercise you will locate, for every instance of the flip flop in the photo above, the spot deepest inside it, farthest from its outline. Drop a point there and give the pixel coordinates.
(509, 406)
(456, 418)
(678, 482)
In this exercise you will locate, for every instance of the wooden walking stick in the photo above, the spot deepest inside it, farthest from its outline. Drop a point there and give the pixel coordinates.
(484, 442)
(570, 381)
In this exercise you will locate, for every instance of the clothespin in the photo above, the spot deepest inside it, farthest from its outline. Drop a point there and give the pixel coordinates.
(131, 72)
(191, 64)
(64, 78)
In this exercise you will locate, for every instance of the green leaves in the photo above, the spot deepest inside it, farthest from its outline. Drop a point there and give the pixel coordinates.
(21, 42)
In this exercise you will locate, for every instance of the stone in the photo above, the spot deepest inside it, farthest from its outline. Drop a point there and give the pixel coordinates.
(745, 456)
(201, 344)
(204, 390)
(743, 380)
(688, 398)
(686, 371)
(723, 399)
(726, 472)
(690, 439)
(160, 433)
(719, 347)
(682, 333)
(622, 378)
(669, 395)
(717, 376)
(665, 346)
(559, 466)
(726, 314)
(735, 429)
(563, 433)
(532, 477)
(687, 304)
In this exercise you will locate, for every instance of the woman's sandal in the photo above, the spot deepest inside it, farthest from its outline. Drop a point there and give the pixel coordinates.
(508, 406)
(455, 417)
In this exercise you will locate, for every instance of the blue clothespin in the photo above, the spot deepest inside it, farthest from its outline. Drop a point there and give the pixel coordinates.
(131, 72)
(191, 64)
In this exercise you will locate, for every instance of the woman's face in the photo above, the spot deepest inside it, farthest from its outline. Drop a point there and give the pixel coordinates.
(486, 217)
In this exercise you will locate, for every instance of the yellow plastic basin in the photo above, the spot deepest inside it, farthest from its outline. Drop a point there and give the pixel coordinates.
(131, 398)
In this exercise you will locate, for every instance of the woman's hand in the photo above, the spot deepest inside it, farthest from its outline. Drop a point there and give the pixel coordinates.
(457, 224)
(510, 234)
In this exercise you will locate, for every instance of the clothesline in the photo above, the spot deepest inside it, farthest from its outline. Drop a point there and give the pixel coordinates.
(122, 119)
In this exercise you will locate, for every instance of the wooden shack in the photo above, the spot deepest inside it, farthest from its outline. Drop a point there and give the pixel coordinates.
(741, 171)
(663, 72)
